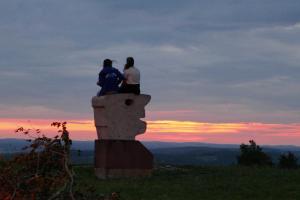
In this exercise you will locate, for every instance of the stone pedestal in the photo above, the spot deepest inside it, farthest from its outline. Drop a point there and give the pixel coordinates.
(118, 120)
(122, 158)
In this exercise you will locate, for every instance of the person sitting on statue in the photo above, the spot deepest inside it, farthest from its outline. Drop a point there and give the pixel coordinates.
(109, 79)
(131, 84)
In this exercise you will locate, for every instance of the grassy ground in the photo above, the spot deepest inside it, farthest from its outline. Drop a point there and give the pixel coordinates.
(198, 183)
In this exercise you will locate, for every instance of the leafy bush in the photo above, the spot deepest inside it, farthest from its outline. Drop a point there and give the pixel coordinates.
(44, 170)
(288, 161)
(252, 155)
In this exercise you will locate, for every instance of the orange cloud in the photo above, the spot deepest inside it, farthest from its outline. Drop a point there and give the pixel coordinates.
(166, 126)
(170, 130)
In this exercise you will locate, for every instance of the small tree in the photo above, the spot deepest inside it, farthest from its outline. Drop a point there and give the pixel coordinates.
(288, 161)
(44, 171)
(252, 155)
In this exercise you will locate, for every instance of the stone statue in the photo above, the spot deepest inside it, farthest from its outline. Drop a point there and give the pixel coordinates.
(118, 116)
(118, 120)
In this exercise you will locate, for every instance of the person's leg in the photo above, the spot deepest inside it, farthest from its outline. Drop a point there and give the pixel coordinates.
(130, 88)
(134, 88)
(111, 92)
(123, 88)
(100, 93)
(137, 89)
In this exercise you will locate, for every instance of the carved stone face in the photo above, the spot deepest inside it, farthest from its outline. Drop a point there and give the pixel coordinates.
(118, 116)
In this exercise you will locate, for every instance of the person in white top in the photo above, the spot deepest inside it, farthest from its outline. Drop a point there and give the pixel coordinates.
(131, 84)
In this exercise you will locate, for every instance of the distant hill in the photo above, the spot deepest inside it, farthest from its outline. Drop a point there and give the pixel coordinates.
(12, 145)
(190, 153)
(16, 145)
(158, 145)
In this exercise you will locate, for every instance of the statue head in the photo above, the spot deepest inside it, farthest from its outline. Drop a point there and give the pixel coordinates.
(118, 116)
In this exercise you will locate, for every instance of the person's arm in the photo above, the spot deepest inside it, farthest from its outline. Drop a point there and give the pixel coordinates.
(120, 77)
(125, 74)
(101, 79)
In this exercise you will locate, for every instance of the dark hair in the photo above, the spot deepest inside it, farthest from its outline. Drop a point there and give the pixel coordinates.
(129, 63)
(107, 63)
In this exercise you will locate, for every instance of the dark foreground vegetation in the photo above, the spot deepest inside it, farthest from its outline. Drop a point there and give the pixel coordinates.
(231, 182)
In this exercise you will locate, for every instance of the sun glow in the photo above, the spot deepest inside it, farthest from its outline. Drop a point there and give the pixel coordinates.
(194, 127)
(169, 130)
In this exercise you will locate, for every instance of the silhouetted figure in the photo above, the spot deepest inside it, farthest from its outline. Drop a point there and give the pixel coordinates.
(109, 79)
(131, 84)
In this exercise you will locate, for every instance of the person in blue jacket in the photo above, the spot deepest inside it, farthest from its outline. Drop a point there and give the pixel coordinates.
(109, 79)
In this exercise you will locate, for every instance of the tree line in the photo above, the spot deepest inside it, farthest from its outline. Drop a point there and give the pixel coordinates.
(253, 155)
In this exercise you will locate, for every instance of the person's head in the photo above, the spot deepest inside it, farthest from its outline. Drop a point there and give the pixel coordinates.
(129, 62)
(107, 63)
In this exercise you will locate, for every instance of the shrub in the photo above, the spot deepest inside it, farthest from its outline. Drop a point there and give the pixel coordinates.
(43, 171)
(288, 161)
(252, 155)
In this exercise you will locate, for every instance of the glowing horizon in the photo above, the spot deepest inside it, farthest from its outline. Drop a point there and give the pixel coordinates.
(226, 75)
(172, 131)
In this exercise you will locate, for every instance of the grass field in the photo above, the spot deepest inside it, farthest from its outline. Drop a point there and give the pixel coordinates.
(186, 183)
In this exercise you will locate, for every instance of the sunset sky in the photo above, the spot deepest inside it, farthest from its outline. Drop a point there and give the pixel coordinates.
(218, 71)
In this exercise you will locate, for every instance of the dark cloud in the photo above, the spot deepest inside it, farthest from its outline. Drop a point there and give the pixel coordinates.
(228, 60)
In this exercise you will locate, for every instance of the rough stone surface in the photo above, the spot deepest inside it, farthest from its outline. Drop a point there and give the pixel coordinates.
(118, 116)
(118, 121)
(121, 158)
